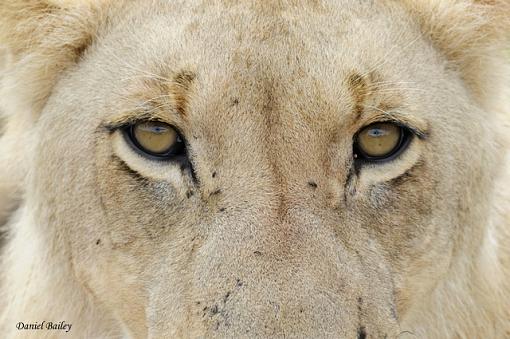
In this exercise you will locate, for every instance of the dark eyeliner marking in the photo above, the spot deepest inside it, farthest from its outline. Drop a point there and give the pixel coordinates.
(121, 165)
(408, 175)
(349, 188)
(422, 135)
(192, 171)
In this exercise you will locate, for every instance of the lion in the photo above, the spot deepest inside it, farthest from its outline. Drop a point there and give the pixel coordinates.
(255, 169)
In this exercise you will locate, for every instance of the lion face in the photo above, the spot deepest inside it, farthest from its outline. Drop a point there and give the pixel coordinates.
(262, 170)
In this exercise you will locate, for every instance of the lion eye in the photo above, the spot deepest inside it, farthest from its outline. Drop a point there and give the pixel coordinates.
(380, 141)
(156, 139)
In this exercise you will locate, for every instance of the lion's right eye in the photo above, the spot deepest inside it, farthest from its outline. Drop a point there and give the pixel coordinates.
(155, 139)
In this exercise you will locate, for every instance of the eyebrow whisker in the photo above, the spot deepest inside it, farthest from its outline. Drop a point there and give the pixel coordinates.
(377, 108)
(400, 90)
(420, 132)
(154, 99)
(141, 76)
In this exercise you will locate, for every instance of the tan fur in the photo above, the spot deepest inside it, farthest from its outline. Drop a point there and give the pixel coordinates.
(472, 35)
(274, 230)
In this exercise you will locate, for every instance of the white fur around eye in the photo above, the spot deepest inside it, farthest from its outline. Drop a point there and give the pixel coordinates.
(152, 169)
(377, 173)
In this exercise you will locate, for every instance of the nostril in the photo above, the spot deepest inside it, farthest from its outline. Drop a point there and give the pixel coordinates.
(362, 334)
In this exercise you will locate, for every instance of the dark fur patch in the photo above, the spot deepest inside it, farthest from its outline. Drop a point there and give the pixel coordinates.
(121, 165)
(359, 87)
(409, 175)
(270, 107)
(179, 90)
(349, 187)
(362, 334)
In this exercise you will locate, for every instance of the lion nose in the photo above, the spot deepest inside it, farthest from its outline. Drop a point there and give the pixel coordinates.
(297, 307)
(272, 278)
(265, 295)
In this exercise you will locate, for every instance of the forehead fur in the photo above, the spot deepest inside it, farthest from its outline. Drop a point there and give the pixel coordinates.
(47, 36)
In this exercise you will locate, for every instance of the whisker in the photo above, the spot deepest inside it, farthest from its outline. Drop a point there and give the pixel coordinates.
(377, 108)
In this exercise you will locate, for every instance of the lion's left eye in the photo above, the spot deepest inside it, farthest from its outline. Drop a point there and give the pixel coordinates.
(155, 139)
(381, 141)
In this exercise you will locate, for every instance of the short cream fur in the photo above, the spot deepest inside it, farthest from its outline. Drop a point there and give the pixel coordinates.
(274, 231)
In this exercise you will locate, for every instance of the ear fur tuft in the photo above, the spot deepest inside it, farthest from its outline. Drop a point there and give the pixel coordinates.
(474, 35)
(43, 38)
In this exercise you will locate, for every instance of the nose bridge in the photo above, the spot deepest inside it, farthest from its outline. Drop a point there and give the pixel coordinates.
(280, 273)
(270, 268)
(278, 281)
(277, 285)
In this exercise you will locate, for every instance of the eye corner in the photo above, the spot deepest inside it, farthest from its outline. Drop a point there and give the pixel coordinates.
(111, 128)
(420, 134)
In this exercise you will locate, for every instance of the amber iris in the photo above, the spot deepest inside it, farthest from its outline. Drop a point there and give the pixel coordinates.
(156, 138)
(379, 140)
